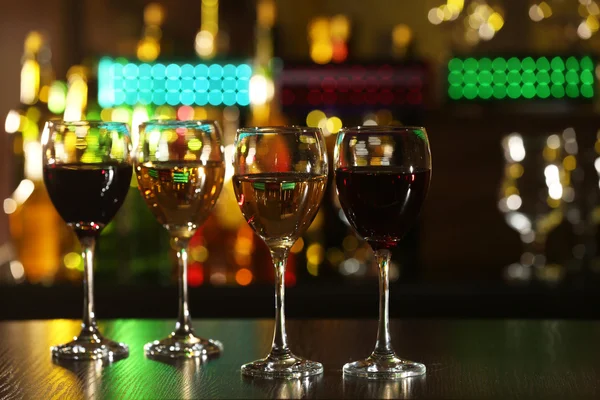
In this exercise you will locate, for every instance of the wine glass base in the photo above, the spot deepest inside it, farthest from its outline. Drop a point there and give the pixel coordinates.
(384, 367)
(288, 367)
(94, 347)
(183, 346)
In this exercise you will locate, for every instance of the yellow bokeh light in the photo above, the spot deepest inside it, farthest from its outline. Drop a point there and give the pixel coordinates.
(510, 191)
(76, 100)
(496, 21)
(30, 81)
(553, 203)
(165, 112)
(106, 114)
(77, 72)
(314, 117)
(148, 49)
(312, 269)
(447, 13)
(298, 246)
(321, 51)
(340, 27)
(334, 124)
(44, 92)
(545, 9)
(200, 113)
(402, 35)
(70, 141)
(120, 114)
(319, 29)
(592, 23)
(515, 170)
(194, 144)
(73, 261)
(457, 4)
(265, 13)
(243, 276)
(154, 14)
(315, 254)
(570, 163)
(33, 42)
(199, 253)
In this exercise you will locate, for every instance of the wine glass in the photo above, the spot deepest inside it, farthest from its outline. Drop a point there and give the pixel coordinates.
(280, 175)
(180, 171)
(531, 198)
(382, 177)
(87, 172)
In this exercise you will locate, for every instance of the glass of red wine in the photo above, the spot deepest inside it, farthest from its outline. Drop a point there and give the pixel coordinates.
(382, 177)
(87, 172)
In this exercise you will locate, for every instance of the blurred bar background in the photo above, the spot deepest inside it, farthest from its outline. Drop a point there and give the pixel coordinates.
(482, 76)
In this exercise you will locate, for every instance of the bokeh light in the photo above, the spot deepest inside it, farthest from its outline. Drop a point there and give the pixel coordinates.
(516, 78)
(173, 84)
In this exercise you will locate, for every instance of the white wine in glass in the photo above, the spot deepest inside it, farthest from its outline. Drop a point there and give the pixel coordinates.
(280, 175)
(180, 171)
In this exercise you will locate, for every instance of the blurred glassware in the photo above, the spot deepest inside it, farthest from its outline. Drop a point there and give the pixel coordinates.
(592, 209)
(570, 250)
(42, 249)
(531, 197)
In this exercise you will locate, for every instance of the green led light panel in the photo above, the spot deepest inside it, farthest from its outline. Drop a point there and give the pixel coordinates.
(498, 78)
(122, 83)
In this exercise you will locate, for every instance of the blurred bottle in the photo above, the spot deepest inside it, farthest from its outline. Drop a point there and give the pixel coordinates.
(531, 198)
(566, 249)
(40, 238)
(591, 198)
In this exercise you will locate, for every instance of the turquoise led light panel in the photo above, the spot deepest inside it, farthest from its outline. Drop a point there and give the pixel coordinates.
(173, 84)
(500, 78)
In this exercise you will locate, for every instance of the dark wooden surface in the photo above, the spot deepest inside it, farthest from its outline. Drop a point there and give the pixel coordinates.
(467, 359)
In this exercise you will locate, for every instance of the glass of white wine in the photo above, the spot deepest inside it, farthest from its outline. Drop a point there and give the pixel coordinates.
(180, 170)
(280, 175)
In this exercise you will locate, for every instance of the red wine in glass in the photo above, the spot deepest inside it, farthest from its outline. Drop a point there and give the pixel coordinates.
(382, 204)
(382, 176)
(87, 197)
(87, 170)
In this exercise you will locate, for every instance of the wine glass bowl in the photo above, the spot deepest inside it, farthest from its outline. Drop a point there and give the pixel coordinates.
(382, 177)
(87, 171)
(280, 175)
(180, 171)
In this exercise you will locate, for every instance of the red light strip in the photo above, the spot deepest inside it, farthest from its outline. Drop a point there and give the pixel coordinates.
(353, 86)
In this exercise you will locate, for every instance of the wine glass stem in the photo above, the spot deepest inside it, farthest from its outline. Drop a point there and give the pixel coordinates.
(383, 345)
(184, 322)
(88, 326)
(279, 347)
